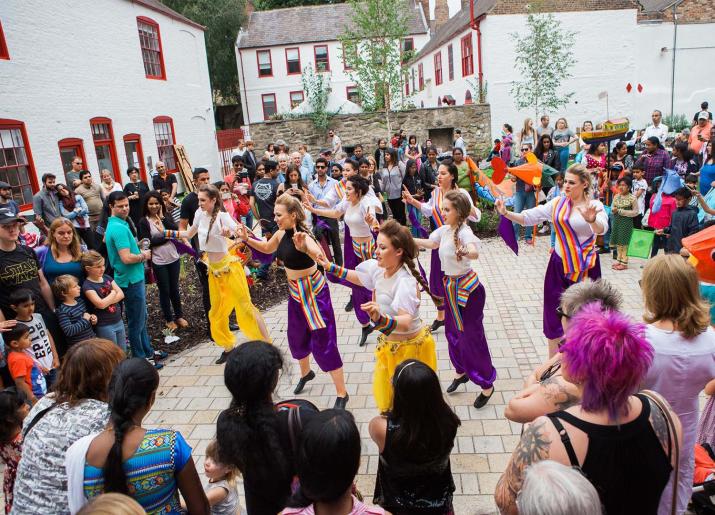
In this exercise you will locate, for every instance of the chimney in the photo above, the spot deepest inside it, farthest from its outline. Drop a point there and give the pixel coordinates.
(441, 14)
(249, 8)
(425, 9)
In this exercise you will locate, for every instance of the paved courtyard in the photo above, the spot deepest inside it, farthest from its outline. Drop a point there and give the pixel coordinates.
(192, 394)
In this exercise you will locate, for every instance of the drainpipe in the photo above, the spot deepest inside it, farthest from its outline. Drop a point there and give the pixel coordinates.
(244, 99)
(479, 61)
(672, 74)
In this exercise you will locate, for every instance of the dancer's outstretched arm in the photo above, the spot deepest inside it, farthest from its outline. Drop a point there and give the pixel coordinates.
(326, 213)
(338, 271)
(267, 247)
(426, 243)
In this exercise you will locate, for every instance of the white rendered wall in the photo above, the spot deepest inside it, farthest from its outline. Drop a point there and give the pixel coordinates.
(68, 65)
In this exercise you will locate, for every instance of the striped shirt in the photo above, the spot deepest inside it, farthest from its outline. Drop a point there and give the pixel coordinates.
(74, 326)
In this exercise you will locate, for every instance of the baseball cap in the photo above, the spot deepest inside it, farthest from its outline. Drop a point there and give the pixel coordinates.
(280, 142)
(4, 186)
(8, 217)
(703, 115)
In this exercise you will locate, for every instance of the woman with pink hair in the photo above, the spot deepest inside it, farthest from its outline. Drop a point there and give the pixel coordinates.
(619, 439)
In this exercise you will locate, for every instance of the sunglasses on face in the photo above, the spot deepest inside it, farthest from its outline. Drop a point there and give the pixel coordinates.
(319, 167)
(524, 149)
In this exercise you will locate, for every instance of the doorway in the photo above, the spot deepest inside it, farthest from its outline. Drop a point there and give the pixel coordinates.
(441, 138)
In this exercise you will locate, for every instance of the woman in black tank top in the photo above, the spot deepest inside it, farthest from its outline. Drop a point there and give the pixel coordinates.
(621, 441)
(311, 320)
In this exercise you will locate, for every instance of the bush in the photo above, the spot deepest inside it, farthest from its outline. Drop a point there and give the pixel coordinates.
(676, 122)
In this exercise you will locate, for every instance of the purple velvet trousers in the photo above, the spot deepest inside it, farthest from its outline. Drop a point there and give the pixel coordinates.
(436, 277)
(360, 295)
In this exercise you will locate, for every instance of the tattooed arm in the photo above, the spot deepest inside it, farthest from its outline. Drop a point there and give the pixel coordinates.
(550, 395)
(534, 446)
(660, 426)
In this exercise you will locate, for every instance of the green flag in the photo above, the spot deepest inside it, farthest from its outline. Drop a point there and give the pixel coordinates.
(640, 244)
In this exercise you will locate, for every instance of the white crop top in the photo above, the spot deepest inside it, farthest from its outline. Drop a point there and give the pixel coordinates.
(217, 241)
(355, 215)
(448, 253)
(399, 292)
(437, 198)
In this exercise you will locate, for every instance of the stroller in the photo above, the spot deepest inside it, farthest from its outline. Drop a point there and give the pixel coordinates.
(703, 498)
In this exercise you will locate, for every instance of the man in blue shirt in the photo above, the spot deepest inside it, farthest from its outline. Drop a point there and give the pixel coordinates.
(320, 188)
(128, 260)
(6, 198)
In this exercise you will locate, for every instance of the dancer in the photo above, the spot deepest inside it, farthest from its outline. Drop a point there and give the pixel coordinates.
(577, 220)
(394, 307)
(469, 351)
(447, 176)
(356, 207)
(228, 288)
(311, 320)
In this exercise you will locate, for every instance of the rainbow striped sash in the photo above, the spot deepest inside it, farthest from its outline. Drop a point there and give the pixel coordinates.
(340, 188)
(578, 258)
(437, 207)
(458, 290)
(304, 291)
(365, 250)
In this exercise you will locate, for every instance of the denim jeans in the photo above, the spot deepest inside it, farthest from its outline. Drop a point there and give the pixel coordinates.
(114, 332)
(167, 279)
(564, 158)
(523, 200)
(135, 302)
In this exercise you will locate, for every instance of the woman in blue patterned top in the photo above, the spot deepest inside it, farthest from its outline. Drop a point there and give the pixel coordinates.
(150, 465)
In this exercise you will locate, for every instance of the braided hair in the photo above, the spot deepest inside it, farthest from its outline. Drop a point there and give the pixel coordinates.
(461, 205)
(401, 238)
(213, 193)
(131, 389)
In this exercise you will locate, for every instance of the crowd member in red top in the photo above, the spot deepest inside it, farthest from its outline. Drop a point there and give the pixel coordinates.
(661, 220)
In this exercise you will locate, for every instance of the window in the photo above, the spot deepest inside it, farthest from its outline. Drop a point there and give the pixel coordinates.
(407, 48)
(265, 65)
(421, 74)
(467, 60)
(296, 98)
(4, 54)
(349, 57)
(16, 166)
(438, 68)
(353, 95)
(269, 105)
(165, 141)
(103, 137)
(450, 61)
(150, 43)
(293, 60)
(69, 149)
(135, 154)
(322, 60)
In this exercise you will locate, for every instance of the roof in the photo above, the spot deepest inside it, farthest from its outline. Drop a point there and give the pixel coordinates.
(456, 24)
(657, 6)
(156, 5)
(307, 24)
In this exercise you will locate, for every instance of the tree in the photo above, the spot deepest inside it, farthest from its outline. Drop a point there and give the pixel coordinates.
(267, 5)
(222, 19)
(371, 46)
(544, 58)
(317, 89)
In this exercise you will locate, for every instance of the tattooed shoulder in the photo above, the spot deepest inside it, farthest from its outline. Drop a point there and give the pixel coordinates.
(660, 424)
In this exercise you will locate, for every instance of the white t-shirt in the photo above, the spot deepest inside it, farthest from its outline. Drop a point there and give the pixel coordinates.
(40, 349)
(447, 251)
(428, 206)
(640, 185)
(355, 216)
(216, 241)
(399, 292)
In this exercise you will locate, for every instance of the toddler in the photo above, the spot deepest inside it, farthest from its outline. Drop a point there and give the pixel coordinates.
(13, 410)
(24, 370)
(683, 222)
(221, 490)
(623, 209)
(639, 189)
(42, 345)
(72, 314)
(104, 297)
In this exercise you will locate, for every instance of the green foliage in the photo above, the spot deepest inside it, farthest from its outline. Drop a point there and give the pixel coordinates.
(371, 46)
(222, 18)
(317, 91)
(267, 5)
(544, 58)
(677, 122)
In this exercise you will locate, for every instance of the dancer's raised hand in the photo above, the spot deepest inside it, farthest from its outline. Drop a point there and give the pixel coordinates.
(372, 309)
(299, 240)
(371, 221)
(322, 260)
(243, 234)
(589, 213)
(499, 206)
(407, 197)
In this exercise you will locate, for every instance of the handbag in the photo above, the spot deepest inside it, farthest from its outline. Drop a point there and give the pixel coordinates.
(663, 407)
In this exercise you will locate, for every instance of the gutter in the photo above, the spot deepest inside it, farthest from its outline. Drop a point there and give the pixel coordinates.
(244, 99)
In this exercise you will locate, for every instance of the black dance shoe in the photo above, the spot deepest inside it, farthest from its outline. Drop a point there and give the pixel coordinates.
(482, 400)
(456, 382)
(349, 305)
(436, 325)
(222, 358)
(303, 381)
(233, 327)
(365, 333)
(341, 402)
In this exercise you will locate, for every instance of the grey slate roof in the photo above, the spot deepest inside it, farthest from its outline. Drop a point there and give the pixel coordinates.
(307, 24)
(656, 6)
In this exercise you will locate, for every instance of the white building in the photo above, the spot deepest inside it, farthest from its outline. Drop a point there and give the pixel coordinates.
(116, 82)
(622, 47)
(275, 46)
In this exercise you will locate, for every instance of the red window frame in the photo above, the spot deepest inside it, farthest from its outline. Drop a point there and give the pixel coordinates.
(421, 76)
(165, 120)
(144, 48)
(467, 55)
(137, 138)
(297, 49)
(95, 122)
(438, 68)
(327, 57)
(258, 63)
(263, 104)
(290, 98)
(403, 50)
(7, 124)
(4, 52)
(353, 89)
(450, 61)
(76, 144)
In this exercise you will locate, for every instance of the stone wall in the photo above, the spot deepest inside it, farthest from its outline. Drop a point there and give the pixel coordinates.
(367, 128)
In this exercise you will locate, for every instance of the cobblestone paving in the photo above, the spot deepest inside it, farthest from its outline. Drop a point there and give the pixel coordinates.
(192, 394)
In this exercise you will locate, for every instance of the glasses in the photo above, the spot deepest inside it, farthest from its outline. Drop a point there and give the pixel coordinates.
(561, 313)
(320, 167)
(525, 149)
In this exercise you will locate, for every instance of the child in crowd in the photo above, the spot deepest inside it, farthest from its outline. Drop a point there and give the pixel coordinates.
(553, 193)
(661, 219)
(170, 207)
(72, 314)
(496, 150)
(104, 297)
(623, 208)
(683, 223)
(221, 490)
(24, 370)
(42, 345)
(13, 410)
(639, 189)
(28, 238)
(691, 182)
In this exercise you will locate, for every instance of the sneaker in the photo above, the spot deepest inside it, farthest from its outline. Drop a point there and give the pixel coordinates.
(160, 354)
(303, 381)
(156, 365)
